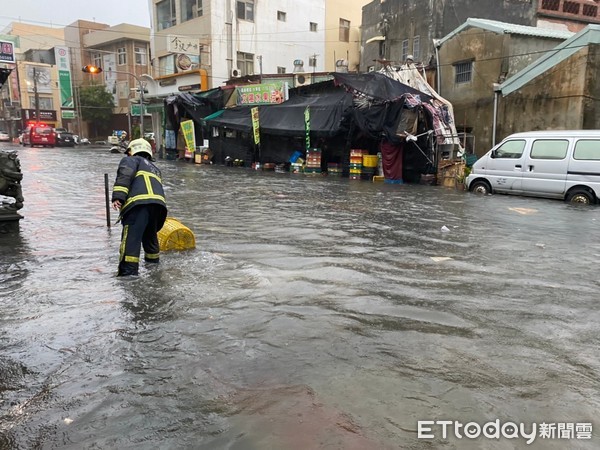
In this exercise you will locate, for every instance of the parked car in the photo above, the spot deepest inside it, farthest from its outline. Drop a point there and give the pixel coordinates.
(4, 136)
(39, 134)
(551, 164)
(64, 138)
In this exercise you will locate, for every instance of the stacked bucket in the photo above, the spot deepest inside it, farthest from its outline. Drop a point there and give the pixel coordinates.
(334, 169)
(369, 169)
(313, 161)
(356, 163)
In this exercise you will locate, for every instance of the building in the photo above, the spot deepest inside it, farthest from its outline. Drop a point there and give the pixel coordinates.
(342, 35)
(235, 38)
(18, 100)
(475, 58)
(558, 91)
(122, 51)
(394, 29)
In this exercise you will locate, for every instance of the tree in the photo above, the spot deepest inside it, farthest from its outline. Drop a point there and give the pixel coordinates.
(96, 107)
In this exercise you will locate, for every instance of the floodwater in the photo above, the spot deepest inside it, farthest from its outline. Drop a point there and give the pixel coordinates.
(315, 313)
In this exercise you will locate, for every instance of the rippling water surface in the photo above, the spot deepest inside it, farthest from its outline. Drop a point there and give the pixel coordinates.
(315, 313)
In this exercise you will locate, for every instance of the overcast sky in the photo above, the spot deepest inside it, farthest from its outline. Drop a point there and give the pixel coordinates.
(63, 12)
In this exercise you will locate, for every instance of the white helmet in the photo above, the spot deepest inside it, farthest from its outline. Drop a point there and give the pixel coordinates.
(140, 145)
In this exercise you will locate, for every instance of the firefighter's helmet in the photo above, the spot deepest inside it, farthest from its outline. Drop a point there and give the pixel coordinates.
(138, 146)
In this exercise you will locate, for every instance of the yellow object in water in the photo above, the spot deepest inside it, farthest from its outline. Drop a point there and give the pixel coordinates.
(370, 160)
(175, 236)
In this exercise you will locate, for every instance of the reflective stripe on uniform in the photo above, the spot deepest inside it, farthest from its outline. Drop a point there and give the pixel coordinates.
(121, 189)
(152, 255)
(123, 241)
(130, 200)
(132, 259)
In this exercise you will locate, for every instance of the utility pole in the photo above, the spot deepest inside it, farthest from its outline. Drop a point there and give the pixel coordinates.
(37, 97)
(259, 57)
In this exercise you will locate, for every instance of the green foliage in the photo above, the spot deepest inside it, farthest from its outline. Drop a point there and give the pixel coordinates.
(97, 108)
(136, 132)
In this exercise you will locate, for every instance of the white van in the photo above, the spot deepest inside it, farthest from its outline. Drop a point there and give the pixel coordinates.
(553, 164)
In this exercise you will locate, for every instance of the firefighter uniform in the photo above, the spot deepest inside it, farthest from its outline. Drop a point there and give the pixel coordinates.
(139, 192)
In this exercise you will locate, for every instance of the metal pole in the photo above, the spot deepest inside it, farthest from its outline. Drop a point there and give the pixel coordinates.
(495, 118)
(107, 200)
(78, 99)
(37, 97)
(141, 107)
(129, 118)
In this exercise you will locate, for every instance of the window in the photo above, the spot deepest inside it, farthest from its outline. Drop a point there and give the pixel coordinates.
(45, 102)
(549, 149)
(313, 27)
(121, 56)
(140, 55)
(166, 65)
(245, 62)
(588, 149)
(190, 9)
(280, 69)
(165, 14)
(97, 59)
(552, 5)
(245, 10)
(571, 7)
(344, 30)
(281, 16)
(404, 49)
(416, 48)
(510, 149)
(463, 72)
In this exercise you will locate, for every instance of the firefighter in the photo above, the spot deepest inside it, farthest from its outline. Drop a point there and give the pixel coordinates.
(139, 196)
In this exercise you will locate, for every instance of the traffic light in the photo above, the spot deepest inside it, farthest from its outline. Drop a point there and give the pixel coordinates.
(91, 69)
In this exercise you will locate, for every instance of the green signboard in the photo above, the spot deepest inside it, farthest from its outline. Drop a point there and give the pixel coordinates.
(68, 114)
(66, 92)
(135, 110)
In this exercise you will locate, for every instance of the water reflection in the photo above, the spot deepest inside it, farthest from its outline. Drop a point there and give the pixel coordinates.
(315, 313)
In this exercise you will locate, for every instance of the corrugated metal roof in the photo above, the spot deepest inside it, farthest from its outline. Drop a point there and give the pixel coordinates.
(507, 28)
(589, 35)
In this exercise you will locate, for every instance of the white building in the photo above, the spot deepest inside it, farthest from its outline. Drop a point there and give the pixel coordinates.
(229, 38)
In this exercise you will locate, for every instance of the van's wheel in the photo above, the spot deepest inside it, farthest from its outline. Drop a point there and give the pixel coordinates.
(580, 196)
(481, 188)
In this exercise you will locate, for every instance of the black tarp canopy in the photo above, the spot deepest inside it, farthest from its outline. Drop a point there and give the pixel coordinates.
(327, 113)
(377, 86)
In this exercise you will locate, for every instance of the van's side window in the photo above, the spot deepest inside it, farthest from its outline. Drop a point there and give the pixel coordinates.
(587, 149)
(549, 149)
(510, 149)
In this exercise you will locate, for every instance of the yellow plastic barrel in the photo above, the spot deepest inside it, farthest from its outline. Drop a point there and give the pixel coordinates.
(175, 236)
(370, 160)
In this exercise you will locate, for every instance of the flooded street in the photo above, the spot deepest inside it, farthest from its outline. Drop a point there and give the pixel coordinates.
(315, 313)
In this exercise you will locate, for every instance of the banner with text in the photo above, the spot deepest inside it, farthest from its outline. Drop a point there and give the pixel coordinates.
(261, 94)
(255, 125)
(187, 127)
(64, 76)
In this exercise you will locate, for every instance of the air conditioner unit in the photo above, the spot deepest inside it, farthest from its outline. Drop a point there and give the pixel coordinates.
(301, 79)
(236, 73)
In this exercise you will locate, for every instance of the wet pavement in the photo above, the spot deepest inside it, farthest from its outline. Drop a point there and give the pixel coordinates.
(315, 313)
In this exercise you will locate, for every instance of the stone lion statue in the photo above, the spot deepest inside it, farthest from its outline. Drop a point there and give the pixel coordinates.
(10, 181)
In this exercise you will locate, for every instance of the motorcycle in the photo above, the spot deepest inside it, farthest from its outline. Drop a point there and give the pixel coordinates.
(120, 147)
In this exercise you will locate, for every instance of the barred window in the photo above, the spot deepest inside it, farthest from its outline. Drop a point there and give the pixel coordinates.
(121, 56)
(551, 5)
(463, 72)
(344, 30)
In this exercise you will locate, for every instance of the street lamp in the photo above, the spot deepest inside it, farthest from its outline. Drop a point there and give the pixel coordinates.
(96, 70)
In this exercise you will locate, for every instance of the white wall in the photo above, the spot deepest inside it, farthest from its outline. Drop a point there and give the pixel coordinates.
(279, 43)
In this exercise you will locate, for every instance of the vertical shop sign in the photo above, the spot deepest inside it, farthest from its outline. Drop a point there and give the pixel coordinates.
(187, 127)
(307, 126)
(64, 76)
(255, 125)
